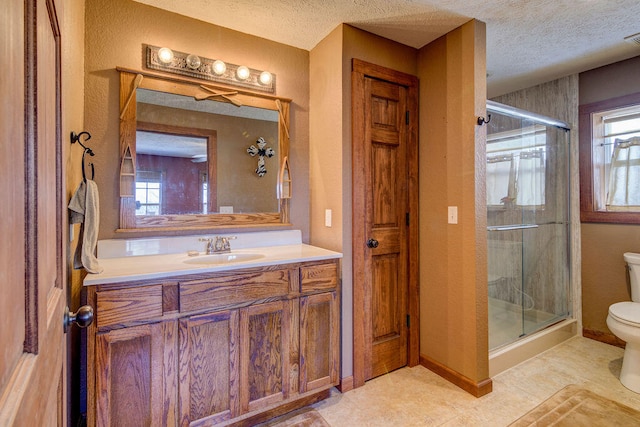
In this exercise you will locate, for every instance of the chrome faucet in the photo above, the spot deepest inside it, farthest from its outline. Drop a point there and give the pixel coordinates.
(209, 248)
(217, 244)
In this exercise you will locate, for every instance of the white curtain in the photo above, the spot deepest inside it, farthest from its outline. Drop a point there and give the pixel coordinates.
(530, 182)
(624, 176)
(500, 179)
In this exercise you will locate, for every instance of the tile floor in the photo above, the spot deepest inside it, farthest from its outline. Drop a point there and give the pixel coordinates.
(418, 397)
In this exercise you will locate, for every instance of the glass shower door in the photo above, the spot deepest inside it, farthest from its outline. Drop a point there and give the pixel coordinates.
(527, 217)
(546, 252)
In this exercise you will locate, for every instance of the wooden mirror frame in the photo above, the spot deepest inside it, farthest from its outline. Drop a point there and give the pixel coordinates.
(129, 222)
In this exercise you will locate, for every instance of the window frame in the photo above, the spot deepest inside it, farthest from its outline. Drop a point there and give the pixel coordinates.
(160, 182)
(588, 213)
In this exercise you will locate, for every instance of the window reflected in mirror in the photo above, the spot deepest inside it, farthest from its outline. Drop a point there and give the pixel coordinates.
(170, 172)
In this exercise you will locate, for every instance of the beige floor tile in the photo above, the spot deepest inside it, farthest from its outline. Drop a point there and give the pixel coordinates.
(418, 397)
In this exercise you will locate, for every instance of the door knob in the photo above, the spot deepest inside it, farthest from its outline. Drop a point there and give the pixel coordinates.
(372, 243)
(83, 317)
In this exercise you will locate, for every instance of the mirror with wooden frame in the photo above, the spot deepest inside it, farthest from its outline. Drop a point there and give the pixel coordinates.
(200, 156)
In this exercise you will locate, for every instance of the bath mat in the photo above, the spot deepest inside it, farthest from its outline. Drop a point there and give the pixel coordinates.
(305, 417)
(576, 407)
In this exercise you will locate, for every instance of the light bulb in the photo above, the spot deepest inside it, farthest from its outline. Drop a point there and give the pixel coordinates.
(219, 67)
(265, 77)
(193, 61)
(165, 55)
(243, 72)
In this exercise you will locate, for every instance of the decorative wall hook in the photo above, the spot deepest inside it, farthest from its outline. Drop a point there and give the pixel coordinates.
(76, 138)
(482, 121)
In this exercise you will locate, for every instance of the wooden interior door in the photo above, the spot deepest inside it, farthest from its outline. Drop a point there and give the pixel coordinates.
(32, 282)
(383, 169)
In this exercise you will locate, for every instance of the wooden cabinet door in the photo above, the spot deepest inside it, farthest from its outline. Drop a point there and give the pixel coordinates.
(209, 368)
(319, 341)
(264, 357)
(136, 376)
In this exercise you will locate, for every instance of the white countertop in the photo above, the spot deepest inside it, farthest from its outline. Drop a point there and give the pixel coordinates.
(130, 268)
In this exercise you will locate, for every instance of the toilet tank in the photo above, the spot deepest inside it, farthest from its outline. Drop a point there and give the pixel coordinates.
(633, 262)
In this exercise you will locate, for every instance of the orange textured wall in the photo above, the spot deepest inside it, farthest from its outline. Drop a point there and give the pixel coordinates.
(604, 276)
(453, 272)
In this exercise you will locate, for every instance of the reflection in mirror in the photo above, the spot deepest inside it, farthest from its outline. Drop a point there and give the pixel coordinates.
(173, 174)
(200, 154)
(233, 186)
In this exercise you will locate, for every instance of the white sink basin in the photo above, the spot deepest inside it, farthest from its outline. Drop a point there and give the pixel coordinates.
(229, 258)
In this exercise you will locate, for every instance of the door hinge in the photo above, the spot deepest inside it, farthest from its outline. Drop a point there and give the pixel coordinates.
(408, 321)
(407, 218)
(406, 117)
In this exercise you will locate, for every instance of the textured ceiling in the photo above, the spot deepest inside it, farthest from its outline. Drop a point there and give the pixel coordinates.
(528, 41)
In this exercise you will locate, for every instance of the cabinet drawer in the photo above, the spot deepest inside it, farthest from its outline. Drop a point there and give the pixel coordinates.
(127, 305)
(318, 277)
(232, 290)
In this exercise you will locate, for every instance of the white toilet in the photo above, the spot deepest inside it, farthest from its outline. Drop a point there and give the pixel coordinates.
(624, 322)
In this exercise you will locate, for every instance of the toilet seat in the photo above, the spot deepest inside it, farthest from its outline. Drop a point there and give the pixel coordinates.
(626, 312)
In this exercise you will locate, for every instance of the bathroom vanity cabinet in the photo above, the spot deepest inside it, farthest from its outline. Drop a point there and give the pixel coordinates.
(233, 347)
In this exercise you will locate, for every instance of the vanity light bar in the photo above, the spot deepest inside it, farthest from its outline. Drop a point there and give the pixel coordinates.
(172, 61)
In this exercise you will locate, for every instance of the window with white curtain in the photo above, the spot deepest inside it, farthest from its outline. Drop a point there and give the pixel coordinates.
(616, 159)
(148, 192)
(624, 179)
(516, 168)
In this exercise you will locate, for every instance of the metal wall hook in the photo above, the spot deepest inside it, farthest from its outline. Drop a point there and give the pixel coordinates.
(76, 138)
(93, 171)
(482, 121)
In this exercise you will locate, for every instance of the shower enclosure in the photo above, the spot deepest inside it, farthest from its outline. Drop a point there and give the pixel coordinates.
(528, 223)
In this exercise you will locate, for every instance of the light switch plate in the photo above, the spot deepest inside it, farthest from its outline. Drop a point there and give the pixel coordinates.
(452, 216)
(327, 217)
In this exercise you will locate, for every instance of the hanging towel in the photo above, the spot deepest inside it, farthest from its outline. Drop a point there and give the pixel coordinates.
(84, 209)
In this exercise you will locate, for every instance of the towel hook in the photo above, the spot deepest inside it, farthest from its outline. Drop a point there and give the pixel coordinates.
(482, 121)
(76, 138)
(84, 177)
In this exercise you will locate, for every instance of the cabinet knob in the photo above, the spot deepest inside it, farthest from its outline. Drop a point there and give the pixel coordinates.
(372, 243)
(83, 317)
